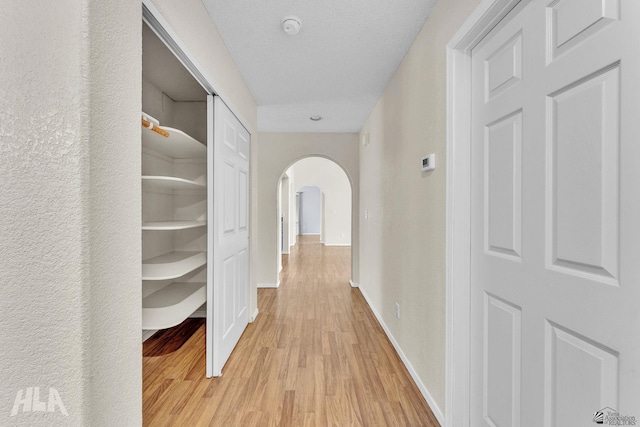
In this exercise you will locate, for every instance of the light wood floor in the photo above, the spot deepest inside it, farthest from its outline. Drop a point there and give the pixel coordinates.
(315, 356)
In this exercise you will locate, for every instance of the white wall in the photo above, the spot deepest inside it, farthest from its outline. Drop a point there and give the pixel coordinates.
(310, 210)
(403, 242)
(334, 184)
(70, 213)
(283, 226)
(285, 212)
(276, 153)
(293, 210)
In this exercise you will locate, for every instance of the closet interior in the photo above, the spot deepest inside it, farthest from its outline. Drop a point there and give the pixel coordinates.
(174, 190)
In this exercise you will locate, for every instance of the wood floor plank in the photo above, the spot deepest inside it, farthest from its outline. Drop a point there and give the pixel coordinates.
(315, 356)
(167, 341)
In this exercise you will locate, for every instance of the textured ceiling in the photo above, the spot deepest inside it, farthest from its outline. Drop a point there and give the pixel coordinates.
(336, 67)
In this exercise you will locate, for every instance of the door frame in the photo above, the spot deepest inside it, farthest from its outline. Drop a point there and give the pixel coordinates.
(458, 209)
(353, 219)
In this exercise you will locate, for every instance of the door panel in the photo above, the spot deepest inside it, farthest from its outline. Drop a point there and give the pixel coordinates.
(243, 201)
(242, 287)
(229, 295)
(555, 215)
(503, 198)
(229, 284)
(230, 193)
(594, 379)
(583, 183)
(229, 134)
(501, 370)
(503, 68)
(572, 21)
(243, 150)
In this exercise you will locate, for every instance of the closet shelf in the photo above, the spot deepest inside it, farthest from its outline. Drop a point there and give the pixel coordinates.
(172, 265)
(172, 225)
(178, 145)
(171, 305)
(170, 183)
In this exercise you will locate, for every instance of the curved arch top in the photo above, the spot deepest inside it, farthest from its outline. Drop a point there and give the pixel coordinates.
(276, 153)
(334, 214)
(323, 156)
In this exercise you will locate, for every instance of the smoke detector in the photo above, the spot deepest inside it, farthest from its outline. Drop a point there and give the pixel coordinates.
(291, 24)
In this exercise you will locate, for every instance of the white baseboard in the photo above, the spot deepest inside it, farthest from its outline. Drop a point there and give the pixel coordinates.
(309, 234)
(423, 389)
(337, 244)
(146, 334)
(285, 253)
(267, 285)
(355, 285)
(254, 317)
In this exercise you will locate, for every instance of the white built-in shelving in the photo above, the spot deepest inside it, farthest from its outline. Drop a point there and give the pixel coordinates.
(178, 145)
(157, 182)
(171, 225)
(169, 306)
(172, 265)
(174, 238)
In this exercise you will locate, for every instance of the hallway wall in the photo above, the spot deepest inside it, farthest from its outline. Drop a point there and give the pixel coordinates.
(335, 186)
(310, 210)
(70, 303)
(276, 153)
(402, 243)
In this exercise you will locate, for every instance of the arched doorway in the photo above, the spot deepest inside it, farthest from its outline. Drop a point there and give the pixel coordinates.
(314, 199)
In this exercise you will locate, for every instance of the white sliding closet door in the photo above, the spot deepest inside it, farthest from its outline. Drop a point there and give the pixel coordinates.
(228, 281)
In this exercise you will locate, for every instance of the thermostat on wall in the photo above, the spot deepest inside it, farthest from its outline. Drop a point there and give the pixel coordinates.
(429, 163)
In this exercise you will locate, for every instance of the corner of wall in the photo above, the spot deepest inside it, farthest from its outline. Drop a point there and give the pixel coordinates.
(113, 206)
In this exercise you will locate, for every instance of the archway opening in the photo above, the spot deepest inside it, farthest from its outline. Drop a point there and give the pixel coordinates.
(314, 205)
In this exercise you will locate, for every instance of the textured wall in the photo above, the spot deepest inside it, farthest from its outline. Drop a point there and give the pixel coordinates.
(43, 238)
(276, 153)
(403, 241)
(70, 210)
(112, 203)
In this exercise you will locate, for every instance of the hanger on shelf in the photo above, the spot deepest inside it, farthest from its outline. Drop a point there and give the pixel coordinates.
(154, 125)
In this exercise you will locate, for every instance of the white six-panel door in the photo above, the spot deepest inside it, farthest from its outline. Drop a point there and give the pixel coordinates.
(228, 290)
(555, 257)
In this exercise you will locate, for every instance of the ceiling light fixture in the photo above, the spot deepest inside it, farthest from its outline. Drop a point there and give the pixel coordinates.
(291, 24)
(316, 118)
